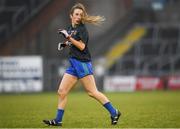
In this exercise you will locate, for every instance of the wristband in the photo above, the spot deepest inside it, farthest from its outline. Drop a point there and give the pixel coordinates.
(68, 38)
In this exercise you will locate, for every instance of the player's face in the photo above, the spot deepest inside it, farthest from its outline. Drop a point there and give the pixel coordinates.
(76, 16)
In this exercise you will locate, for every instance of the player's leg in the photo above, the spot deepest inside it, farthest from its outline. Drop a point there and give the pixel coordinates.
(68, 81)
(65, 86)
(90, 86)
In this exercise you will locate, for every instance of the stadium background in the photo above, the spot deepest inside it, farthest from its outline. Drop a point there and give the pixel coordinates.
(136, 49)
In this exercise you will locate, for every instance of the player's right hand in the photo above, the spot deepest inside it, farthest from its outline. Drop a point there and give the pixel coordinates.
(64, 33)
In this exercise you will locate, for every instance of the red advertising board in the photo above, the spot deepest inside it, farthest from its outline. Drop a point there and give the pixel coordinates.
(120, 83)
(174, 82)
(149, 83)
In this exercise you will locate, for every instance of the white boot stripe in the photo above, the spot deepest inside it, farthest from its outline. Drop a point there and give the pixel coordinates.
(54, 122)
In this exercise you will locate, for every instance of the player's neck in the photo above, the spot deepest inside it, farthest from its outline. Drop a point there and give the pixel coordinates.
(74, 25)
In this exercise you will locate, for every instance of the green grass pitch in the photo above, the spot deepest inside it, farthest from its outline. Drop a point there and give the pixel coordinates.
(150, 109)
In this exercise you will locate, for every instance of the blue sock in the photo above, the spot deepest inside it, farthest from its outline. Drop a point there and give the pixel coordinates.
(110, 108)
(59, 116)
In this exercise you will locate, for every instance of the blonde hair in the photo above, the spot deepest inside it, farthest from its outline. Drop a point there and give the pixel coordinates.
(95, 20)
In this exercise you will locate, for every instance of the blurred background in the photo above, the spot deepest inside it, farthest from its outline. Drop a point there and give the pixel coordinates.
(136, 48)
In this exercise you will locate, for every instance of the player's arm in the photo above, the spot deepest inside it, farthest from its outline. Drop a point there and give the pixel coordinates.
(79, 44)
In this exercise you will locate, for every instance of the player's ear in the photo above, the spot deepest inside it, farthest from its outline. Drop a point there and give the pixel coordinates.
(70, 16)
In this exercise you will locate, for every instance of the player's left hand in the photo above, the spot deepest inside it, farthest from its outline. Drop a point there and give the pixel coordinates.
(64, 33)
(61, 46)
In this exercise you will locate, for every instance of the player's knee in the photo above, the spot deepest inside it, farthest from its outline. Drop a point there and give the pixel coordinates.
(90, 94)
(93, 94)
(62, 93)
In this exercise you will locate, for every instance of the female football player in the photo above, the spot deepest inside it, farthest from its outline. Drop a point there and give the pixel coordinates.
(80, 64)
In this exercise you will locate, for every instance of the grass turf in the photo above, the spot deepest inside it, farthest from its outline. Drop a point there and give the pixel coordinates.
(152, 109)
